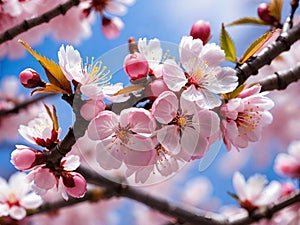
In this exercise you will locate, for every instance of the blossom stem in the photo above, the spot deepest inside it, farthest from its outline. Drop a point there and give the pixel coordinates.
(280, 80)
(283, 43)
(30, 23)
(24, 105)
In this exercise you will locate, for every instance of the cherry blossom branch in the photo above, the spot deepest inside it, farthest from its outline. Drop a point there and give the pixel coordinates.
(93, 195)
(30, 23)
(280, 80)
(24, 105)
(267, 212)
(283, 43)
(123, 190)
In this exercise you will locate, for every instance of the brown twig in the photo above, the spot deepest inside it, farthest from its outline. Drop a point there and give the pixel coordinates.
(283, 43)
(30, 23)
(280, 80)
(24, 105)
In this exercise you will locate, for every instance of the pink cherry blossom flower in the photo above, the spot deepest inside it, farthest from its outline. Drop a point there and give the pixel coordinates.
(245, 117)
(62, 178)
(200, 76)
(16, 197)
(93, 77)
(186, 129)
(254, 192)
(288, 164)
(126, 137)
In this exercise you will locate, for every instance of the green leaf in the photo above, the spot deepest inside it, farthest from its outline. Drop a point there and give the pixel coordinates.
(256, 45)
(247, 20)
(275, 8)
(53, 71)
(227, 45)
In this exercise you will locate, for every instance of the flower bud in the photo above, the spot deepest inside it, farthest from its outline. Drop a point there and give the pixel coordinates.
(75, 184)
(24, 158)
(31, 79)
(155, 88)
(136, 66)
(111, 27)
(201, 30)
(264, 13)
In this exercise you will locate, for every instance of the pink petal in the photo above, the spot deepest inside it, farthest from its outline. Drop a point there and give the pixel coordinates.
(192, 143)
(165, 107)
(213, 54)
(169, 138)
(141, 121)
(173, 75)
(106, 159)
(17, 212)
(31, 201)
(70, 162)
(239, 185)
(45, 179)
(140, 143)
(270, 194)
(102, 126)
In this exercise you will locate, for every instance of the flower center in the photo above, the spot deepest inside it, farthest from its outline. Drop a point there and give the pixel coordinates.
(250, 118)
(181, 121)
(12, 199)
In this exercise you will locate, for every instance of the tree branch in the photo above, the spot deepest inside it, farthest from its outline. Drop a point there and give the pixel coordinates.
(283, 43)
(30, 23)
(23, 105)
(123, 190)
(280, 80)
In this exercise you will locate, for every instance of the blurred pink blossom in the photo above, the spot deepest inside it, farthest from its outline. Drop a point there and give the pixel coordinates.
(16, 197)
(288, 164)
(254, 192)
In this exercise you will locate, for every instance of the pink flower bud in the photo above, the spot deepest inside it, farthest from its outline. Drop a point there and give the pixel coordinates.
(75, 184)
(31, 79)
(201, 30)
(155, 88)
(25, 158)
(136, 66)
(111, 27)
(264, 13)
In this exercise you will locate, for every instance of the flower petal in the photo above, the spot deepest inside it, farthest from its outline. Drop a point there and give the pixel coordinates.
(173, 75)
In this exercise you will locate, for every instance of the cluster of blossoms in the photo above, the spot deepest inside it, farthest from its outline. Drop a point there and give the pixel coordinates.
(46, 175)
(185, 104)
(72, 27)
